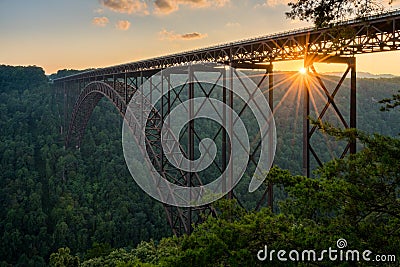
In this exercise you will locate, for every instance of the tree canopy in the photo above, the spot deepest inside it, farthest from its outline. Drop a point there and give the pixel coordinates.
(85, 202)
(322, 12)
(354, 199)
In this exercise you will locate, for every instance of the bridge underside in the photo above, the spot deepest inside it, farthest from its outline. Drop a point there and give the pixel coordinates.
(333, 44)
(120, 88)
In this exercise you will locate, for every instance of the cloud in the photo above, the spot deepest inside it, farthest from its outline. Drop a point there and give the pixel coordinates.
(100, 21)
(165, 7)
(193, 35)
(160, 7)
(171, 35)
(123, 25)
(126, 6)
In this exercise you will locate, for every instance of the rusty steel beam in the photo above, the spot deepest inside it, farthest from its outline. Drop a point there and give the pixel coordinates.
(338, 44)
(353, 103)
(271, 106)
(306, 123)
(378, 33)
(307, 133)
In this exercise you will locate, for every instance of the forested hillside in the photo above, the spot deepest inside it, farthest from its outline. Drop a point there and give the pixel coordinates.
(52, 198)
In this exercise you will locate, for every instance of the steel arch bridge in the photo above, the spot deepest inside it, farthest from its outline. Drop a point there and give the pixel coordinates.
(334, 44)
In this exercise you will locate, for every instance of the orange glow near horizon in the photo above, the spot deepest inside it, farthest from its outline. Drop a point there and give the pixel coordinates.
(79, 60)
(294, 84)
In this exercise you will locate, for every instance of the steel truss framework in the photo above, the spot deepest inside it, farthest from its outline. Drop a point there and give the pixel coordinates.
(330, 102)
(338, 44)
(373, 34)
(119, 89)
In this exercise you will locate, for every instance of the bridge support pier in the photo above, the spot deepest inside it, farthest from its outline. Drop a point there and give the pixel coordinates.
(313, 79)
(119, 88)
(269, 74)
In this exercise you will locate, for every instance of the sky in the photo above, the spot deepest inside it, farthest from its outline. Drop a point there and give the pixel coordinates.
(76, 34)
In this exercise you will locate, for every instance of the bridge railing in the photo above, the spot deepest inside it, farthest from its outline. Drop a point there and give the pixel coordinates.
(284, 34)
(379, 15)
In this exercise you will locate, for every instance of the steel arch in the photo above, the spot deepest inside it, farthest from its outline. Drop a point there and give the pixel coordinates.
(85, 105)
(178, 218)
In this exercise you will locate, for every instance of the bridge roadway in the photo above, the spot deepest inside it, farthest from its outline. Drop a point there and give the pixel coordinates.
(372, 34)
(81, 92)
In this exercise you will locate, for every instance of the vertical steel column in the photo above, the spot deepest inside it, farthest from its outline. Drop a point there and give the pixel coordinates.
(126, 89)
(141, 83)
(70, 90)
(168, 78)
(308, 63)
(163, 113)
(190, 141)
(65, 110)
(230, 171)
(306, 123)
(353, 101)
(270, 141)
(269, 191)
(224, 132)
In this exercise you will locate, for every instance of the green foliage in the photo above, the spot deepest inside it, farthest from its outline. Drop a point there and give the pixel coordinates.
(63, 258)
(51, 197)
(356, 198)
(146, 251)
(390, 103)
(86, 200)
(98, 250)
(117, 258)
(21, 78)
(322, 12)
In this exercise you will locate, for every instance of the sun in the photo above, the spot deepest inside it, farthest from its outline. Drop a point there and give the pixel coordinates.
(303, 71)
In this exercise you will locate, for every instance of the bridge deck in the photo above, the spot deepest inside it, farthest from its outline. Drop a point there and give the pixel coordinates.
(371, 34)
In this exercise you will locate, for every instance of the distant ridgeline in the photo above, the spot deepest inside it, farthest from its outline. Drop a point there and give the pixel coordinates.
(51, 197)
(288, 112)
